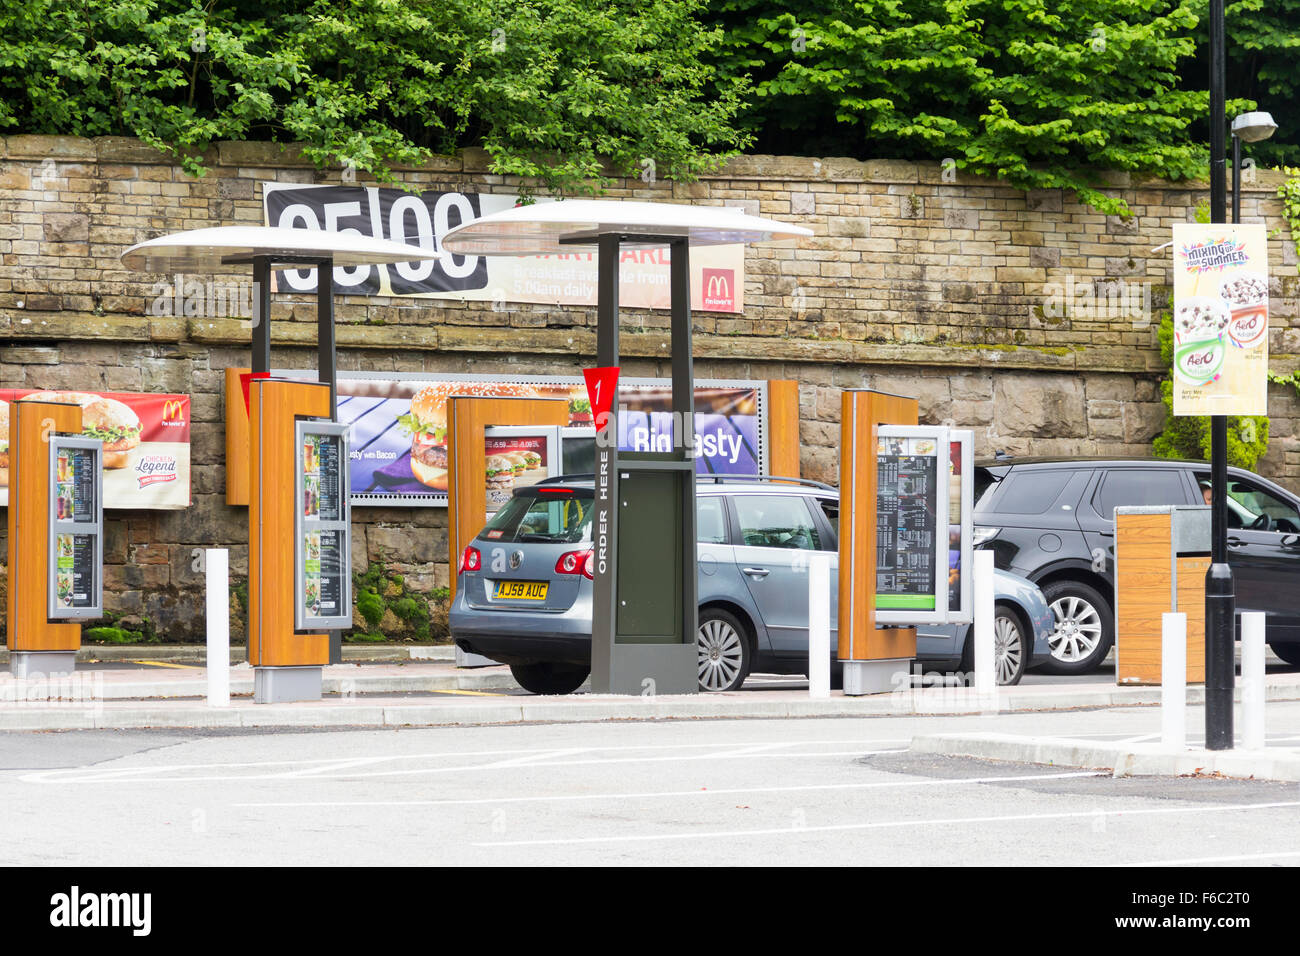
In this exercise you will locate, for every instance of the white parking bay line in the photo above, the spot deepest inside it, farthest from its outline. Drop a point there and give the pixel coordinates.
(341, 764)
(320, 767)
(657, 794)
(532, 758)
(897, 824)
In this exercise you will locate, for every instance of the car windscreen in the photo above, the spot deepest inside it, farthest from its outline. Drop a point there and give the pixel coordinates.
(550, 518)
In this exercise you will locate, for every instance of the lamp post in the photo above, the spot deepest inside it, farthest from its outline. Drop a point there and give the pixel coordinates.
(1246, 128)
(1220, 600)
(1220, 597)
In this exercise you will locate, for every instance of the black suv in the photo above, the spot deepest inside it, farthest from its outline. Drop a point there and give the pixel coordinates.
(1052, 521)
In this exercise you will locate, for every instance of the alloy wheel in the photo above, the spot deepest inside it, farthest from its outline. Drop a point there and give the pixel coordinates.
(1008, 649)
(1078, 629)
(721, 655)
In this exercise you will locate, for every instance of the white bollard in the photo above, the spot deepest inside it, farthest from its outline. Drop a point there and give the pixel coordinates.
(819, 625)
(982, 627)
(1252, 680)
(217, 562)
(1173, 680)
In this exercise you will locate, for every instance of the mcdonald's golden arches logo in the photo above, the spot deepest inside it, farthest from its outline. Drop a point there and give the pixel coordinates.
(719, 290)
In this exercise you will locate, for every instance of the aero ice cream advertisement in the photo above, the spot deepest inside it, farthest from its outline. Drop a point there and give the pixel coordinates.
(1220, 319)
(146, 443)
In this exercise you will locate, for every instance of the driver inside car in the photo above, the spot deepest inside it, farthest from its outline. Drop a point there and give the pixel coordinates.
(1207, 493)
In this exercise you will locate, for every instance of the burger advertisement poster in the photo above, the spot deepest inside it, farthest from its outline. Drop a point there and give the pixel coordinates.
(146, 444)
(1220, 319)
(422, 219)
(399, 429)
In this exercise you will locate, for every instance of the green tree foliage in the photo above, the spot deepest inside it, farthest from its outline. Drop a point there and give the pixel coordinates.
(1263, 44)
(1189, 437)
(549, 88)
(1042, 93)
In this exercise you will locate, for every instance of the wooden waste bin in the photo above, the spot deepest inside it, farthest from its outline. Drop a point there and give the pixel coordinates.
(1161, 556)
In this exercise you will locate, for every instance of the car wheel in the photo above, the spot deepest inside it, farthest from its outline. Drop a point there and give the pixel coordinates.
(1085, 628)
(1288, 652)
(723, 647)
(543, 678)
(1010, 648)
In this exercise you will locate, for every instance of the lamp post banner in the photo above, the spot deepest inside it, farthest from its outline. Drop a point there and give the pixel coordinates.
(422, 219)
(1220, 323)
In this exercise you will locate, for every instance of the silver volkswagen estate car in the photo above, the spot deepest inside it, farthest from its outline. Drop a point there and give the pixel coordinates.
(524, 587)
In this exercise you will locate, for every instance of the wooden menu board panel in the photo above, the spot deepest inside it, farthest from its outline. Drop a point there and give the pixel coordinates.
(467, 418)
(27, 614)
(859, 637)
(1145, 589)
(783, 428)
(275, 405)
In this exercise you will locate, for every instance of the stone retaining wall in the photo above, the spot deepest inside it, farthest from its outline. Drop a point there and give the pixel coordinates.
(950, 291)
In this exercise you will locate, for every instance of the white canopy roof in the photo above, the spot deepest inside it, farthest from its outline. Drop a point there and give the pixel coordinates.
(538, 229)
(209, 250)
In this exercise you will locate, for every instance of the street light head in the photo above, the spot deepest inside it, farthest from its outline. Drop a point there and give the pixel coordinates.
(1253, 127)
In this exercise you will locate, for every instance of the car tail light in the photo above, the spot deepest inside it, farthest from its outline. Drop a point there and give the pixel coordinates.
(575, 562)
(470, 560)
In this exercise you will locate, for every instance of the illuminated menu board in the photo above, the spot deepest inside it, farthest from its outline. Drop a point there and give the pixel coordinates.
(76, 528)
(924, 495)
(322, 528)
(908, 524)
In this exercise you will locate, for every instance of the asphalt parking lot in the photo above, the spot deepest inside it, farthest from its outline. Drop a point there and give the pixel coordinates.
(784, 792)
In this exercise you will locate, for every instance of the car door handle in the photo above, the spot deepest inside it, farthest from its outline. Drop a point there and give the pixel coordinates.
(757, 572)
(1236, 543)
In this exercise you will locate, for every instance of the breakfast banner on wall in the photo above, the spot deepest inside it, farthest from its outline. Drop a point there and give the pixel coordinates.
(146, 444)
(399, 427)
(1220, 319)
(421, 219)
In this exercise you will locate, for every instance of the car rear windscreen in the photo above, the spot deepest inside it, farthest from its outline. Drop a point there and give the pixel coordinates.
(1030, 492)
(546, 517)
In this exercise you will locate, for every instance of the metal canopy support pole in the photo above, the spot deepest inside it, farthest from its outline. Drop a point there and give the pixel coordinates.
(261, 361)
(684, 412)
(1236, 178)
(327, 373)
(327, 360)
(1220, 601)
(605, 524)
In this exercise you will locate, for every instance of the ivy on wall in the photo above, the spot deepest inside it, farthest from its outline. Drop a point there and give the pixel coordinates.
(1289, 193)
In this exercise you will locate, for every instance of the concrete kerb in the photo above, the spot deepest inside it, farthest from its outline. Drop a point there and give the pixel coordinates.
(1121, 759)
(241, 685)
(197, 653)
(377, 701)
